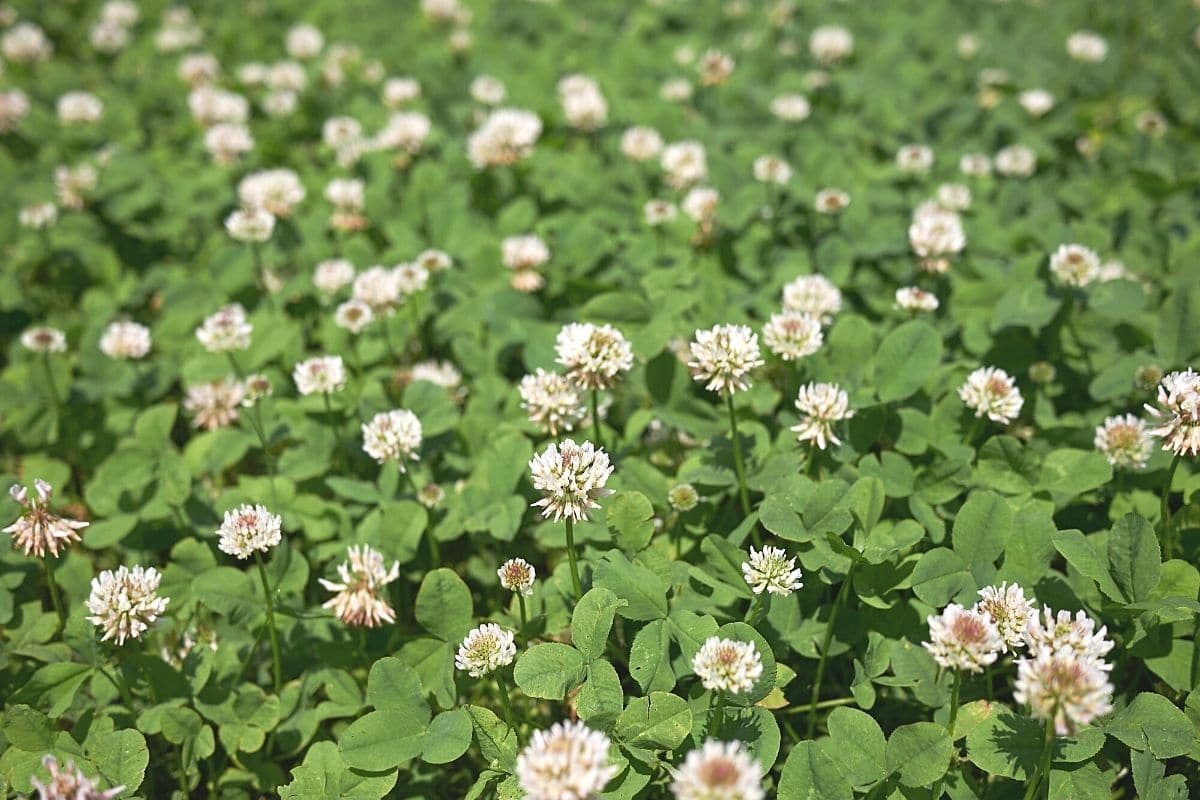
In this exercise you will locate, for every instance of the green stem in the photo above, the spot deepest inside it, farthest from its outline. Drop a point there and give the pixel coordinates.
(755, 608)
(54, 596)
(973, 431)
(838, 701)
(387, 339)
(54, 398)
(256, 423)
(954, 692)
(714, 730)
(126, 696)
(337, 433)
(571, 558)
(524, 614)
(1043, 768)
(816, 687)
(1164, 516)
(596, 418)
(508, 715)
(266, 584)
(250, 654)
(435, 553)
(738, 465)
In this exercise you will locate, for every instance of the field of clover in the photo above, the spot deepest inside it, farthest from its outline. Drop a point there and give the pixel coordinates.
(677, 399)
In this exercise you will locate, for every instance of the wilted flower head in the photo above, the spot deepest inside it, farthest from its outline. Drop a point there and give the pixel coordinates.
(361, 598)
(393, 436)
(1009, 610)
(571, 478)
(594, 356)
(1063, 632)
(251, 224)
(278, 191)
(723, 356)
(506, 136)
(247, 530)
(567, 762)
(684, 163)
(1087, 46)
(831, 201)
(914, 299)
(214, 404)
(641, 143)
(830, 44)
(70, 783)
(791, 107)
(1124, 441)
(323, 375)
(1075, 265)
(44, 339)
(38, 532)
(1016, 161)
(714, 67)
(793, 334)
(727, 665)
(485, 649)
(815, 295)
(517, 575)
(659, 212)
(914, 159)
(72, 184)
(125, 340)
(770, 570)
(963, 639)
(991, 391)
(124, 603)
(1178, 413)
(354, 316)
(1151, 123)
(226, 330)
(718, 771)
(257, 386)
(683, 497)
(821, 406)
(14, 107)
(552, 401)
(1060, 685)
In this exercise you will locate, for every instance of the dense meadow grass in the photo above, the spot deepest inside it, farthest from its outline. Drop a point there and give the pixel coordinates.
(569, 400)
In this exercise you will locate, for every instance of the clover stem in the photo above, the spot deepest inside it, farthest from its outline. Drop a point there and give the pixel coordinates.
(1164, 516)
(54, 398)
(508, 716)
(755, 609)
(1043, 768)
(596, 417)
(266, 584)
(954, 692)
(718, 715)
(55, 599)
(571, 558)
(337, 433)
(524, 614)
(739, 466)
(816, 687)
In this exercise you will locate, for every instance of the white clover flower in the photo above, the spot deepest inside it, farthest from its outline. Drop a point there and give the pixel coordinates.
(38, 532)
(914, 299)
(125, 340)
(1010, 611)
(431, 495)
(434, 261)
(411, 278)
(683, 497)
(954, 196)
(487, 90)
(715, 67)
(723, 357)
(718, 771)
(1124, 441)
(1016, 161)
(1060, 685)
(829, 44)
(79, 108)
(346, 193)
(914, 159)
(571, 478)
(405, 131)
(329, 276)
(975, 165)
(354, 316)
(320, 375)
(815, 295)
(304, 41)
(659, 212)
(398, 91)
(772, 169)
(484, 650)
(1178, 413)
(1063, 633)
(831, 201)
(199, 69)
(967, 45)
(676, 90)
(38, 217)
(684, 163)
(278, 191)
(936, 233)
(70, 783)
(210, 105)
(641, 143)
(25, 43)
(226, 330)
(726, 665)
(226, 142)
(1151, 123)
(821, 405)
(124, 603)
(552, 401)
(361, 598)
(793, 334)
(1075, 265)
(567, 762)
(770, 570)
(524, 252)
(14, 107)
(378, 287)
(44, 339)
(791, 107)
(517, 575)
(256, 386)
(72, 184)
(991, 391)
(594, 356)
(1036, 102)
(393, 436)
(700, 204)
(506, 136)
(583, 104)
(214, 404)
(963, 639)
(340, 132)
(439, 373)
(1087, 46)
(250, 225)
(247, 530)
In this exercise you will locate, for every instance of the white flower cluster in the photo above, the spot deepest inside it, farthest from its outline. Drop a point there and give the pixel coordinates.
(571, 477)
(821, 406)
(992, 392)
(569, 761)
(506, 136)
(124, 602)
(723, 356)
(1177, 415)
(361, 597)
(38, 532)
(393, 436)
